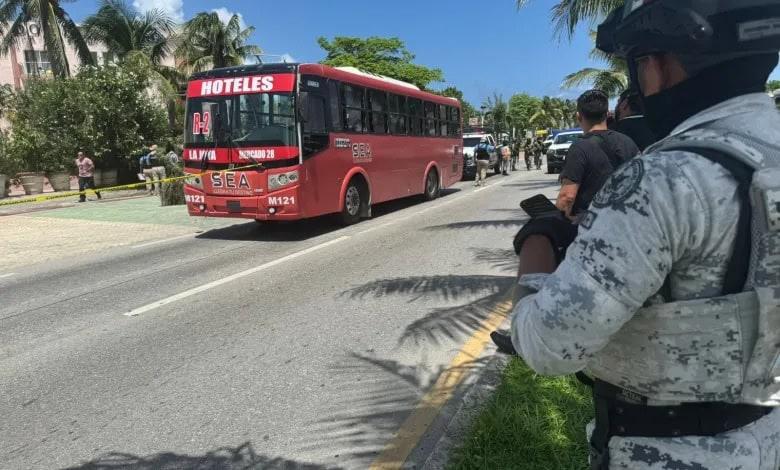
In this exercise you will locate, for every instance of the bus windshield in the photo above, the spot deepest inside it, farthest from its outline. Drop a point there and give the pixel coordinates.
(261, 119)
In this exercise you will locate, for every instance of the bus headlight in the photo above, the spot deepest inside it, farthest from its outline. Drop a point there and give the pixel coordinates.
(282, 179)
(195, 181)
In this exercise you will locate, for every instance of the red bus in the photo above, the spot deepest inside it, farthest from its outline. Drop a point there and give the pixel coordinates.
(319, 140)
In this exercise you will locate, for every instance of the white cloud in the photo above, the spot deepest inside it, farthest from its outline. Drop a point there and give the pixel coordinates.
(225, 15)
(175, 8)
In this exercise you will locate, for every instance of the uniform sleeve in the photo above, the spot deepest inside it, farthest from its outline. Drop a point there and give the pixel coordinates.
(575, 166)
(621, 257)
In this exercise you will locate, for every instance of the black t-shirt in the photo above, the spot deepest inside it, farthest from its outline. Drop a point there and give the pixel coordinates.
(592, 159)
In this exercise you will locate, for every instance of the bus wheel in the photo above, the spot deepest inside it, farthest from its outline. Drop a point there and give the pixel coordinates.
(432, 188)
(353, 203)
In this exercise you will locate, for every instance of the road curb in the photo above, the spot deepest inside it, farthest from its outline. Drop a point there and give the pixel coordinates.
(473, 402)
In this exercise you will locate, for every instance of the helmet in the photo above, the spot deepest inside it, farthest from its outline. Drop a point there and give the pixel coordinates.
(720, 30)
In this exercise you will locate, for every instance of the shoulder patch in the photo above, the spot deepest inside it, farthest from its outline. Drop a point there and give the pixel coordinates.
(621, 185)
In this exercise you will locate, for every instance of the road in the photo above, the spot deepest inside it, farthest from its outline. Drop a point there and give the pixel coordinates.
(303, 345)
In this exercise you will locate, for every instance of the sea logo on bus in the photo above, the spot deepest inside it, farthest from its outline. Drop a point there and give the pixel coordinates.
(342, 143)
(361, 153)
(257, 154)
(201, 154)
(229, 180)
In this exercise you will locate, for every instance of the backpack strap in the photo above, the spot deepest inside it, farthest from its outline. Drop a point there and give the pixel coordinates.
(609, 150)
(739, 264)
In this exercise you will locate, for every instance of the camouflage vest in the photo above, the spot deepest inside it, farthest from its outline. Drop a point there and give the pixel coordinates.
(724, 349)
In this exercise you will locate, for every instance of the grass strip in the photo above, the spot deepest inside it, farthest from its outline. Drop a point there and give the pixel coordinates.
(532, 422)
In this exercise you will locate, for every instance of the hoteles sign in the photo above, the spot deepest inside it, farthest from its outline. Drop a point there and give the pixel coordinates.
(228, 86)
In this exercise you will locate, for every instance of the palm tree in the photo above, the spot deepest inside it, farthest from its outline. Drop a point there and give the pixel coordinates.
(612, 80)
(57, 27)
(208, 42)
(567, 14)
(123, 30)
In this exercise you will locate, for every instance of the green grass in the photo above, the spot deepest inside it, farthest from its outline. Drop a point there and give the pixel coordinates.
(532, 422)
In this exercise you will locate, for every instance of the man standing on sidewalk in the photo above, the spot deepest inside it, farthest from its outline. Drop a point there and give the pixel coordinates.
(86, 176)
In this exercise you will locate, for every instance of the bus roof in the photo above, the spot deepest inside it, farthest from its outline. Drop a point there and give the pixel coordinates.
(344, 74)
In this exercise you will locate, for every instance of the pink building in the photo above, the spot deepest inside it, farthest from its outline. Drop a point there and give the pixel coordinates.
(30, 58)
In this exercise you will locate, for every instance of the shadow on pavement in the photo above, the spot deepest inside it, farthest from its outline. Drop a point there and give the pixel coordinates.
(381, 393)
(505, 260)
(225, 458)
(533, 185)
(302, 230)
(480, 224)
(367, 417)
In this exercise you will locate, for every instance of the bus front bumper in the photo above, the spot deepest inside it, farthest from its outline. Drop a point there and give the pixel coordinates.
(281, 205)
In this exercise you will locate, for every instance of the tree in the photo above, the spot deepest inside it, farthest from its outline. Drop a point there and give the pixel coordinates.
(382, 56)
(497, 115)
(612, 80)
(57, 27)
(568, 14)
(123, 30)
(144, 40)
(106, 111)
(468, 111)
(522, 108)
(772, 85)
(207, 42)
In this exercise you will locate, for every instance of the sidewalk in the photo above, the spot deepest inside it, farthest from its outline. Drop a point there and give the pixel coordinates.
(79, 229)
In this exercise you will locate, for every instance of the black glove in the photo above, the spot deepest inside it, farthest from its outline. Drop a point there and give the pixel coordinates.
(557, 228)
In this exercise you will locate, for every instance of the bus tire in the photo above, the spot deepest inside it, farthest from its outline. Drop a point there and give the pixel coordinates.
(354, 200)
(432, 185)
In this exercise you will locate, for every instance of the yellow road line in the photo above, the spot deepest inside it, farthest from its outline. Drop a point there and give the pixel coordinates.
(416, 425)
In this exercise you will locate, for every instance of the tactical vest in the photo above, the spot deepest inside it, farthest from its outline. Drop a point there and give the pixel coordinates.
(724, 349)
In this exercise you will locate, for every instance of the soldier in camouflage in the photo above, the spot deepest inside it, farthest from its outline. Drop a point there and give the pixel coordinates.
(670, 295)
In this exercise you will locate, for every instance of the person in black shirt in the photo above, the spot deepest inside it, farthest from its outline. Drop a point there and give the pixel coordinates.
(589, 163)
(592, 159)
(630, 120)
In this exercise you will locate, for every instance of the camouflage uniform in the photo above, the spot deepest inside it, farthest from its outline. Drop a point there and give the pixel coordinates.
(670, 214)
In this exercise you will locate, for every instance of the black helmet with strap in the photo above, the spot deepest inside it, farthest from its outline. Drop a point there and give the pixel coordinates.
(722, 30)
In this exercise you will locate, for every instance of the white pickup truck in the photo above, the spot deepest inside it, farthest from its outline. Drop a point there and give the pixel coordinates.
(470, 142)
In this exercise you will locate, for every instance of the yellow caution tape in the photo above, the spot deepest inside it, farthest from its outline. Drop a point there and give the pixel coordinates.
(50, 197)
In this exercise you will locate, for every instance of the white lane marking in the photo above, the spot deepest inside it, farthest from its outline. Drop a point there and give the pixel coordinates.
(217, 283)
(164, 240)
(375, 228)
(7, 275)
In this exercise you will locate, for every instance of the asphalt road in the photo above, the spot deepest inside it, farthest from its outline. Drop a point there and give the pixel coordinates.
(294, 346)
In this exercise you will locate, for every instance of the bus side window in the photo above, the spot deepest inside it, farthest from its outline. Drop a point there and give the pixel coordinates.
(443, 118)
(315, 121)
(353, 99)
(334, 105)
(455, 128)
(415, 117)
(430, 119)
(378, 112)
(397, 106)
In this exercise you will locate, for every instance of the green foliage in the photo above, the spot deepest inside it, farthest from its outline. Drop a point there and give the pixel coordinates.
(568, 14)
(382, 56)
(106, 112)
(123, 30)
(531, 422)
(497, 115)
(522, 107)
(772, 85)
(57, 27)
(207, 43)
(172, 194)
(554, 112)
(467, 109)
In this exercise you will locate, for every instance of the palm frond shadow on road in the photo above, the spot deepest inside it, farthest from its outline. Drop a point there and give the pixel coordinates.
(366, 417)
(242, 457)
(446, 323)
(480, 224)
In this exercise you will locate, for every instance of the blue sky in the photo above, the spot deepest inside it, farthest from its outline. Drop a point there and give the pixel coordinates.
(482, 46)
